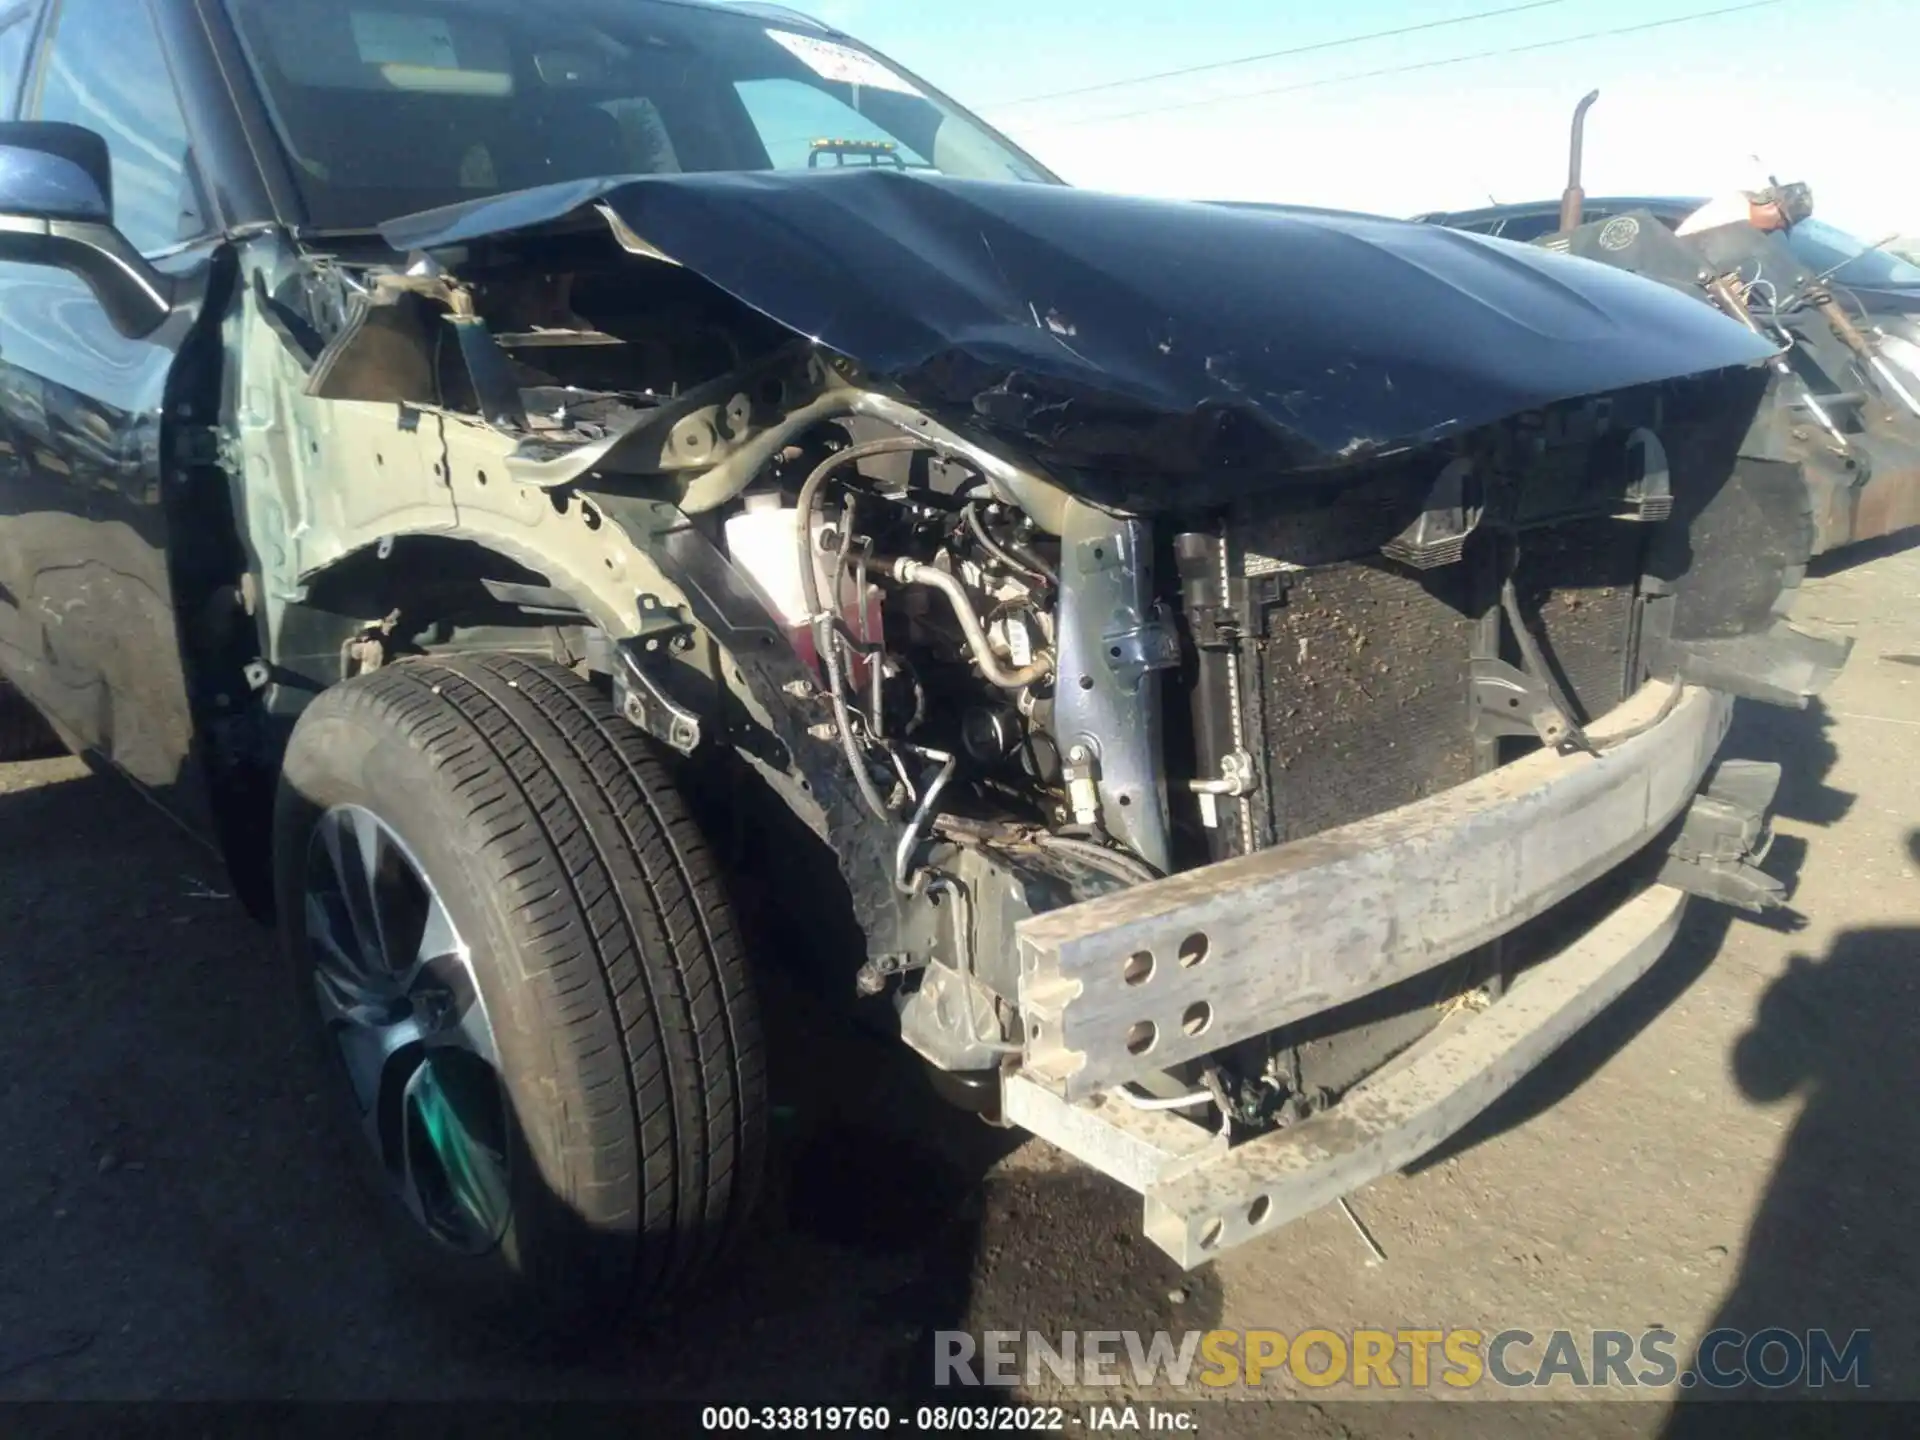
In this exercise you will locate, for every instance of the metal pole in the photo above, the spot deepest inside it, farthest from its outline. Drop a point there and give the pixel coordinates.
(1575, 197)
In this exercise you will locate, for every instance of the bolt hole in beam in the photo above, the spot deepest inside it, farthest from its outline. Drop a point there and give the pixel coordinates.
(1258, 1211)
(1139, 968)
(1193, 950)
(1197, 1019)
(1211, 1235)
(1141, 1037)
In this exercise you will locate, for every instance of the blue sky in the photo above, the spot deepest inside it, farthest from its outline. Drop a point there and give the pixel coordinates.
(1822, 90)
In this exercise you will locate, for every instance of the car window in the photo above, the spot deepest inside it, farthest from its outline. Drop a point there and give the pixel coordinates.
(1851, 260)
(103, 68)
(16, 38)
(803, 127)
(387, 107)
(1525, 229)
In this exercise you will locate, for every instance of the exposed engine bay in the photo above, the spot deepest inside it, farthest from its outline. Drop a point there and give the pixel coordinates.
(1231, 688)
(1055, 642)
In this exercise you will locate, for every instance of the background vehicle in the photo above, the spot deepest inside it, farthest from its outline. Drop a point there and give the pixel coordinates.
(1846, 313)
(1885, 281)
(1170, 659)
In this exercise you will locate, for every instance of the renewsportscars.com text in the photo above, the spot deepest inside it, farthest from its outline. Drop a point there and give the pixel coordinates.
(1414, 1359)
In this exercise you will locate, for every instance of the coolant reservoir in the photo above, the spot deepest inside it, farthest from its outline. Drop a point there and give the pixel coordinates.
(764, 542)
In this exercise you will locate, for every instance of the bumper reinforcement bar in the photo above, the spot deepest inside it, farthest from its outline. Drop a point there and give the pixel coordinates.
(1203, 1197)
(1116, 988)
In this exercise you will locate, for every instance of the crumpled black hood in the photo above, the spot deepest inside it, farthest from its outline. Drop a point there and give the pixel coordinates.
(1111, 330)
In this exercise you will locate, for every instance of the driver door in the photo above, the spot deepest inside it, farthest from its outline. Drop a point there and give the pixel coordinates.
(88, 628)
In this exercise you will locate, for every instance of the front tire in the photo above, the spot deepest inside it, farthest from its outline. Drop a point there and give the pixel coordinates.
(526, 973)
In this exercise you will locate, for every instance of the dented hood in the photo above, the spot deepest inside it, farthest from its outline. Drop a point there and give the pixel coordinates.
(1105, 330)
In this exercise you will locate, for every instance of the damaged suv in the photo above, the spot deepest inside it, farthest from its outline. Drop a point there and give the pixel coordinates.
(1247, 683)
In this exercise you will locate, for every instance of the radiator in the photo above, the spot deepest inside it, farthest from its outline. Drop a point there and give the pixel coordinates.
(1353, 677)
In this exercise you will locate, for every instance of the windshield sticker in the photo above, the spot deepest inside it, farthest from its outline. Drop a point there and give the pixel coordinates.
(842, 64)
(386, 38)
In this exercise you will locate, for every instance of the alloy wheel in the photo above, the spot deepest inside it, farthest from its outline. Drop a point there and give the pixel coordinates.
(405, 1018)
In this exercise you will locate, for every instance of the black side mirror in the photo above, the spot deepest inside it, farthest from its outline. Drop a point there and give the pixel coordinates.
(56, 208)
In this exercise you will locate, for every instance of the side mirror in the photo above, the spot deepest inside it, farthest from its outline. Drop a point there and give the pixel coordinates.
(56, 208)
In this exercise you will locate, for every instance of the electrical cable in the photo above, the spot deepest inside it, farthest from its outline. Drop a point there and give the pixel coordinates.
(1030, 567)
(1409, 69)
(1116, 863)
(826, 635)
(1270, 55)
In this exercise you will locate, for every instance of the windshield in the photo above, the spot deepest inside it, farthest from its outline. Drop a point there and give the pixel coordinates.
(1852, 261)
(392, 106)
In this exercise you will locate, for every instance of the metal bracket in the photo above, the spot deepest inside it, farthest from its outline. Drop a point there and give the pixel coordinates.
(1113, 641)
(873, 976)
(1552, 722)
(1152, 645)
(643, 699)
(953, 1021)
(494, 385)
(1783, 666)
(1507, 701)
(196, 446)
(366, 652)
(1235, 780)
(1651, 495)
(660, 623)
(1725, 836)
(1439, 536)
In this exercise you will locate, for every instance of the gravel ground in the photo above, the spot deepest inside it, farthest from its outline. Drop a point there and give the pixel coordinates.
(1728, 1145)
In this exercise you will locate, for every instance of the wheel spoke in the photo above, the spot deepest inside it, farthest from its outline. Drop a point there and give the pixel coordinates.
(397, 995)
(338, 949)
(440, 945)
(374, 1055)
(345, 1001)
(351, 873)
(370, 839)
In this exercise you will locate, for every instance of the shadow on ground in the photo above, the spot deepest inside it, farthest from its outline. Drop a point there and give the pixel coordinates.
(1800, 742)
(180, 1219)
(1852, 556)
(1831, 1245)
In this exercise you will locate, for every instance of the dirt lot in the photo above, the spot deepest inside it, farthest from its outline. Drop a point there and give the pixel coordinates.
(1730, 1145)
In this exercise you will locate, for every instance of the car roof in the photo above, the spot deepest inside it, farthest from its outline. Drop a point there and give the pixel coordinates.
(773, 12)
(756, 8)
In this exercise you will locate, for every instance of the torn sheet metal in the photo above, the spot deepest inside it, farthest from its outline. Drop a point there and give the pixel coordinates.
(1130, 334)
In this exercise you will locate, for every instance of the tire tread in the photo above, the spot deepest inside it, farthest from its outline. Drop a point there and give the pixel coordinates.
(624, 930)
